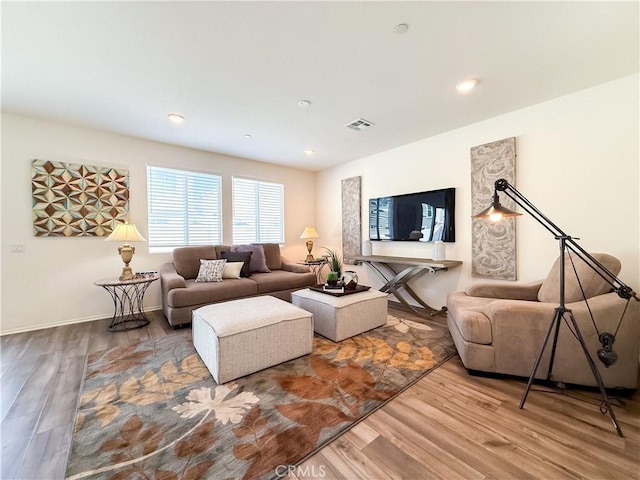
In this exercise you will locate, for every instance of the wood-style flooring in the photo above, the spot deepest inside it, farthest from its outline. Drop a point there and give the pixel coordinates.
(449, 425)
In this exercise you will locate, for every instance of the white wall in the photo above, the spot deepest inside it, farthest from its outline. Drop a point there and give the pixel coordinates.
(52, 282)
(577, 161)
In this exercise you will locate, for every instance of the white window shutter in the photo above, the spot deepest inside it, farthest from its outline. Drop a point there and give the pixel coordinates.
(184, 208)
(258, 211)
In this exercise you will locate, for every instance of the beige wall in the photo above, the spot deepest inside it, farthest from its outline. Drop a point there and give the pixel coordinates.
(52, 282)
(578, 162)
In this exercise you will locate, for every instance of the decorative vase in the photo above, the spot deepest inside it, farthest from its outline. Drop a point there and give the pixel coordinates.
(438, 250)
(350, 280)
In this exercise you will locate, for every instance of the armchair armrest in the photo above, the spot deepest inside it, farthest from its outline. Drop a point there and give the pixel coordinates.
(514, 291)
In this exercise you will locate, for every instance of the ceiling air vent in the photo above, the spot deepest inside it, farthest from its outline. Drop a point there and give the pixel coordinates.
(359, 124)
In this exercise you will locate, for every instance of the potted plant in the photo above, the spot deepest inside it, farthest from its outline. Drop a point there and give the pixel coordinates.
(332, 278)
(335, 266)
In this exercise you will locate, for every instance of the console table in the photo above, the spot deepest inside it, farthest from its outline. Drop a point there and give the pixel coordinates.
(396, 280)
(127, 296)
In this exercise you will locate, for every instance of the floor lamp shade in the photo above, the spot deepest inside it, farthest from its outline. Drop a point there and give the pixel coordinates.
(126, 233)
(496, 211)
(309, 233)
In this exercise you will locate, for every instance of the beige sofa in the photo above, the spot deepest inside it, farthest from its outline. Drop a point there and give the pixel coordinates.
(499, 328)
(181, 294)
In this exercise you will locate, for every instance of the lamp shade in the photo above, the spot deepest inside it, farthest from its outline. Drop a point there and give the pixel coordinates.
(309, 232)
(125, 232)
(496, 211)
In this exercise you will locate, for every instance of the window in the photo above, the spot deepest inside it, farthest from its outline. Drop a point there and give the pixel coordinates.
(258, 211)
(184, 208)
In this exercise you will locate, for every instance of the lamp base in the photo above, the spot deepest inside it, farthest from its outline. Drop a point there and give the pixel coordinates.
(309, 248)
(126, 252)
(127, 274)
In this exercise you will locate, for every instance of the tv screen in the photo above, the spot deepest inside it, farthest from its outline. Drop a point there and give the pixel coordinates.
(418, 217)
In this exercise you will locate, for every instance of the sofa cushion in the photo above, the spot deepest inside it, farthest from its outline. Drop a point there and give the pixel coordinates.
(258, 261)
(220, 249)
(282, 280)
(592, 283)
(211, 270)
(244, 257)
(232, 270)
(204, 293)
(187, 259)
(272, 255)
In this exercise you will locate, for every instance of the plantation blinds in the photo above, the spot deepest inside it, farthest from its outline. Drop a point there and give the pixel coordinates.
(258, 211)
(185, 208)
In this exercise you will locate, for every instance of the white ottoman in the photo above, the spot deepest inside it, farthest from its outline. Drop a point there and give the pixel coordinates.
(243, 336)
(337, 318)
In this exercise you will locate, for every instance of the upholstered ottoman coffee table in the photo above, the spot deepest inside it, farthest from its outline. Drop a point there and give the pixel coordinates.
(242, 336)
(337, 318)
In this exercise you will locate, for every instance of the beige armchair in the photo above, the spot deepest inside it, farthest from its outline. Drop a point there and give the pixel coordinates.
(499, 328)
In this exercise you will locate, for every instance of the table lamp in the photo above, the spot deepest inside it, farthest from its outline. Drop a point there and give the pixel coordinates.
(126, 232)
(309, 233)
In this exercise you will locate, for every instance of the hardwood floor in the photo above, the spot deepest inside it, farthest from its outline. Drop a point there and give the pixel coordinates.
(449, 425)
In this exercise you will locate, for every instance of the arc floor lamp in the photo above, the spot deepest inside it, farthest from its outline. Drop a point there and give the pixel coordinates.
(495, 212)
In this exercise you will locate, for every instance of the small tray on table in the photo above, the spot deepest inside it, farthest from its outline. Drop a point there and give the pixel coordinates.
(339, 293)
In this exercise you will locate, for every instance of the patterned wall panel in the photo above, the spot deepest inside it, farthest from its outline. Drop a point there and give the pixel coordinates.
(72, 200)
(351, 223)
(493, 244)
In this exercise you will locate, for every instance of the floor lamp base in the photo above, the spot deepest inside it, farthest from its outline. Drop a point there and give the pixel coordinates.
(555, 323)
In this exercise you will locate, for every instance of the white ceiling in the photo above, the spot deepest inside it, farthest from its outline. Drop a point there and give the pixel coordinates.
(233, 68)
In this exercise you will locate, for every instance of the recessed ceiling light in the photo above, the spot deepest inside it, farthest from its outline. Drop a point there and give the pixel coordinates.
(176, 118)
(467, 85)
(304, 103)
(400, 28)
(309, 151)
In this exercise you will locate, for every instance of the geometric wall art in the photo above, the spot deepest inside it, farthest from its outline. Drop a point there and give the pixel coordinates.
(493, 244)
(351, 222)
(71, 200)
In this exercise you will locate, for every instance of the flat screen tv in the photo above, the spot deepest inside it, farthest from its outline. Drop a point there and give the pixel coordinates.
(415, 217)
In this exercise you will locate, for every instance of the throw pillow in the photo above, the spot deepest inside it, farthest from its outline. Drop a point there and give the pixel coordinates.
(210, 270)
(244, 257)
(258, 261)
(232, 269)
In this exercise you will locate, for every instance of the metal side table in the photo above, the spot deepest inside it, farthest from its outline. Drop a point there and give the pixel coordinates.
(128, 296)
(316, 267)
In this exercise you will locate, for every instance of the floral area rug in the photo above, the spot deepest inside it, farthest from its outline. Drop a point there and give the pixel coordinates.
(151, 410)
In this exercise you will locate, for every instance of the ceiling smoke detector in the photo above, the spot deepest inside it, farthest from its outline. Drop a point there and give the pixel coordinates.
(401, 28)
(359, 124)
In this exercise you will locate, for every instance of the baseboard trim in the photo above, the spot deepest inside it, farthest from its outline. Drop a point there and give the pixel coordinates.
(66, 322)
(392, 303)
